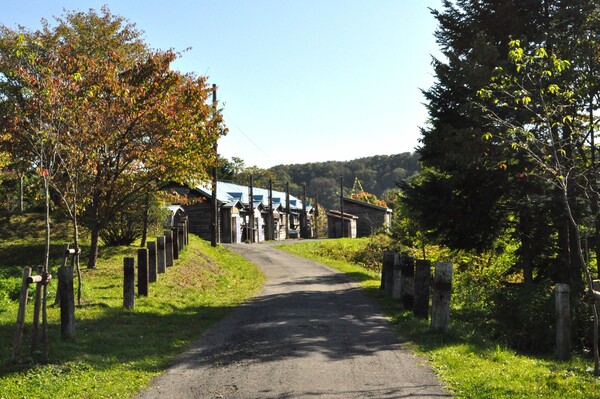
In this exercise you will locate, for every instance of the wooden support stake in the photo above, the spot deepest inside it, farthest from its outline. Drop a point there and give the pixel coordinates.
(16, 355)
(397, 276)
(37, 308)
(161, 254)
(422, 283)
(152, 265)
(563, 322)
(407, 292)
(442, 291)
(388, 271)
(67, 302)
(169, 248)
(128, 283)
(143, 272)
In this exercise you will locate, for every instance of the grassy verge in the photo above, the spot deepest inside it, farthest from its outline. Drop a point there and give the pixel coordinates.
(470, 364)
(117, 352)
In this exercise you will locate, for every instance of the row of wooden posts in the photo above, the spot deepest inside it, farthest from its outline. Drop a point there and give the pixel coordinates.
(152, 261)
(410, 283)
(41, 281)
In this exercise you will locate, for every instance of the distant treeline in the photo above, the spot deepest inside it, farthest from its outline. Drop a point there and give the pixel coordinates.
(377, 175)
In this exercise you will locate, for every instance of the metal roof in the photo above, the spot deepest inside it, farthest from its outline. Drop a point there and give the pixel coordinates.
(229, 192)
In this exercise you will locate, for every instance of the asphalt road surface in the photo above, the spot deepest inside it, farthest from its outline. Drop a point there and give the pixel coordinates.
(311, 333)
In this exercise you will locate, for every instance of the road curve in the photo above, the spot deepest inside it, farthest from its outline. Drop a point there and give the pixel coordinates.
(310, 333)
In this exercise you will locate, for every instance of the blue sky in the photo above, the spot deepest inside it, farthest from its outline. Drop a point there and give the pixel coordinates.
(300, 81)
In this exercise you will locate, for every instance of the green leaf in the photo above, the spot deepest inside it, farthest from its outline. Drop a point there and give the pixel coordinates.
(553, 89)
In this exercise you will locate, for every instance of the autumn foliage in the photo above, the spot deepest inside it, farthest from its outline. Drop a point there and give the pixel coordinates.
(108, 119)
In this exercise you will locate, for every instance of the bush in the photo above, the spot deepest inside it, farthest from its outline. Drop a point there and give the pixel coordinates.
(10, 289)
(525, 316)
(127, 225)
(370, 253)
(366, 252)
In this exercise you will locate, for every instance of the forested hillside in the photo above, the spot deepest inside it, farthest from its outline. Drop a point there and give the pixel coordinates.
(377, 174)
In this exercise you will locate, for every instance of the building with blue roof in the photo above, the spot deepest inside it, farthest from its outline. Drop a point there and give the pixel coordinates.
(265, 216)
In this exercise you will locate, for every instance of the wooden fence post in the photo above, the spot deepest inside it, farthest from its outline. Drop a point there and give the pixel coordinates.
(143, 279)
(16, 355)
(442, 291)
(186, 231)
(397, 276)
(128, 283)
(407, 282)
(169, 248)
(181, 237)
(161, 254)
(563, 322)
(422, 283)
(152, 266)
(388, 271)
(176, 246)
(67, 302)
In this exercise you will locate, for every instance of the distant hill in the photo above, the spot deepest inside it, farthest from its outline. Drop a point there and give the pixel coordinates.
(376, 174)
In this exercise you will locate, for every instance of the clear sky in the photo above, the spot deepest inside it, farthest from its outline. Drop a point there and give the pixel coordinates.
(300, 81)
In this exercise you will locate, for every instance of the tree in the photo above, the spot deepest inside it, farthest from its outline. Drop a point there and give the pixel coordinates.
(485, 180)
(554, 137)
(128, 122)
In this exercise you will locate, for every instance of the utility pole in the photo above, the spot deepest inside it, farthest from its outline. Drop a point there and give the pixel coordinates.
(304, 219)
(251, 200)
(342, 203)
(316, 213)
(214, 223)
(270, 219)
(287, 210)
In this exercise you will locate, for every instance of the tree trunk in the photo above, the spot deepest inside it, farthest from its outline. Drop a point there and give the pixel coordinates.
(75, 262)
(76, 256)
(146, 215)
(564, 249)
(21, 205)
(526, 250)
(45, 272)
(94, 237)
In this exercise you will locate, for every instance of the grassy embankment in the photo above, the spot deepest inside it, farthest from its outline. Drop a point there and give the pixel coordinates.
(116, 352)
(471, 364)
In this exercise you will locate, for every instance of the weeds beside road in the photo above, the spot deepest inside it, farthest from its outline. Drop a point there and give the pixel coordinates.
(471, 364)
(117, 352)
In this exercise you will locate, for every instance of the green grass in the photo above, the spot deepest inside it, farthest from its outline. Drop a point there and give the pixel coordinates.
(117, 352)
(470, 364)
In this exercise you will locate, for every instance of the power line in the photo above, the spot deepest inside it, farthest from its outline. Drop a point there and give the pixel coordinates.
(247, 137)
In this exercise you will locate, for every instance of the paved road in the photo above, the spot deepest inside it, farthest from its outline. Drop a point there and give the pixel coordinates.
(310, 333)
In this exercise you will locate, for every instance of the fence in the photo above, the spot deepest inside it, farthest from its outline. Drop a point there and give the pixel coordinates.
(410, 283)
(152, 261)
(413, 285)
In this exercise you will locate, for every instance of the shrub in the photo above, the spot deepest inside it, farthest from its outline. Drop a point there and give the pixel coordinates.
(10, 289)
(369, 253)
(127, 225)
(525, 316)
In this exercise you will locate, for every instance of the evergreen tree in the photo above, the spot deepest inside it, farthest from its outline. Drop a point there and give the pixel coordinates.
(485, 185)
